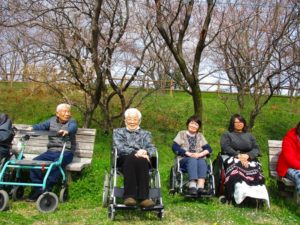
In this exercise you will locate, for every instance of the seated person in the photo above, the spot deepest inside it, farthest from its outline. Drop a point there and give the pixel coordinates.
(288, 164)
(192, 146)
(134, 148)
(67, 128)
(6, 135)
(243, 172)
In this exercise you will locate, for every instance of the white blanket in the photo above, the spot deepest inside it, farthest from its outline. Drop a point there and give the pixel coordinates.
(242, 190)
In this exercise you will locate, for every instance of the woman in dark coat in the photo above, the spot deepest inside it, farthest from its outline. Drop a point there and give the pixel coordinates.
(6, 135)
(243, 172)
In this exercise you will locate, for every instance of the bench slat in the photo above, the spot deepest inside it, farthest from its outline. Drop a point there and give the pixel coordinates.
(42, 148)
(275, 143)
(274, 152)
(85, 139)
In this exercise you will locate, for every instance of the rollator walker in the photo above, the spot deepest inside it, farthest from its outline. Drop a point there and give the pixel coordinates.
(46, 202)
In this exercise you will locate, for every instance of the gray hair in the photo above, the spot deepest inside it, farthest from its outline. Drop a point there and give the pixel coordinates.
(62, 106)
(133, 111)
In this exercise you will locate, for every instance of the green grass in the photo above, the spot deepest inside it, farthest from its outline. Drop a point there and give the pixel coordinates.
(164, 115)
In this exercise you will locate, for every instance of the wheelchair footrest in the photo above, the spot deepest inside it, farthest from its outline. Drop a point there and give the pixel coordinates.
(153, 192)
(32, 162)
(124, 207)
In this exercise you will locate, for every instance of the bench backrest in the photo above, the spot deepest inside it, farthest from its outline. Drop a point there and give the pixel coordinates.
(274, 151)
(85, 139)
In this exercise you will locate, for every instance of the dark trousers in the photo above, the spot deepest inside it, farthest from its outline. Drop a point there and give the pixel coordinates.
(36, 175)
(4, 153)
(136, 176)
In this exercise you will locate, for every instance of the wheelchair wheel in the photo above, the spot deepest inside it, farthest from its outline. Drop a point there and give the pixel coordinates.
(3, 200)
(47, 202)
(64, 194)
(105, 194)
(17, 192)
(219, 176)
(160, 214)
(111, 212)
(222, 199)
(172, 181)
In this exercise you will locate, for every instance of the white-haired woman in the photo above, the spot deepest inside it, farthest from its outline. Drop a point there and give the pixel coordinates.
(134, 148)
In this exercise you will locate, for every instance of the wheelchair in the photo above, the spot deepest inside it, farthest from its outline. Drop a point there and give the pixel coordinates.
(11, 176)
(179, 181)
(113, 189)
(219, 175)
(5, 190)
(221, 190)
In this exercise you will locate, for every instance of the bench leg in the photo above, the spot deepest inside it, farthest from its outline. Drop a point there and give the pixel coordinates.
(69, 177)
(296, 197)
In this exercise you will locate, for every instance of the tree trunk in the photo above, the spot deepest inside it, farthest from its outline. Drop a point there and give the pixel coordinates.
(197, 101)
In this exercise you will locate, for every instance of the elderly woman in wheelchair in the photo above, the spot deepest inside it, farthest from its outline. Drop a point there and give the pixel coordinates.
(136, 159)
(191, 149)
(134, 148)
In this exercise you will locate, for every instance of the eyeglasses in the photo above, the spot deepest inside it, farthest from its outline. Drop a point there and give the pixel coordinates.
(239, 122)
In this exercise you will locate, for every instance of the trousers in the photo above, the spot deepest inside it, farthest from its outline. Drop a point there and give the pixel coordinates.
(294, 175)
(136, 176)
(37, 175)
(196, 168)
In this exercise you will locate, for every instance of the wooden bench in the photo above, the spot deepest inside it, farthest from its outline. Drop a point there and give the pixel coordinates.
(85, 139)
(285, 185)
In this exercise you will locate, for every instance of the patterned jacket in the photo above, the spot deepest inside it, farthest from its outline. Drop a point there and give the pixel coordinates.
(126, 141)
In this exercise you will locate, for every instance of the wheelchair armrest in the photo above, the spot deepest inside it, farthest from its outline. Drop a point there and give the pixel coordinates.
(154, 161)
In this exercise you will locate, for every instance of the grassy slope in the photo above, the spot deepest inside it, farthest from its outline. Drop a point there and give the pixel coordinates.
(164, 115)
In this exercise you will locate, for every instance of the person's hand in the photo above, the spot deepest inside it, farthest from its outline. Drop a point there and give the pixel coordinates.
(63, 132)
(244, 159)
(142, 153)
(192, 155)
(145, 157)
(197, 155)
(189, 154)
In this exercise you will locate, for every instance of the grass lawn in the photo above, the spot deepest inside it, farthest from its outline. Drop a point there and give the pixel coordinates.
(164, 115)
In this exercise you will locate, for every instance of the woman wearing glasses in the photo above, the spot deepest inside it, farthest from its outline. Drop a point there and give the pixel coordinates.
(243, 172)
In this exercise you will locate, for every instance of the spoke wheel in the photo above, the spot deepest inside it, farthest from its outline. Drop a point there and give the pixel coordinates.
(160, 214)
(105, 194)
(111, 212)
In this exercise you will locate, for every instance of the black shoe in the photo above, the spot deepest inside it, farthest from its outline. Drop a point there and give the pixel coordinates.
(201, 191)
(192, 191)
(34, 195)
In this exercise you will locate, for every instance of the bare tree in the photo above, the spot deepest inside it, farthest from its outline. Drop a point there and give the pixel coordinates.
(87, 45)
(177, 22)
(254, 48)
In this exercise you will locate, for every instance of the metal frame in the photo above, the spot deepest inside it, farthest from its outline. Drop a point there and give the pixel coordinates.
(117, 192)
(47, 201)
(31, 164)
(179, 179)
